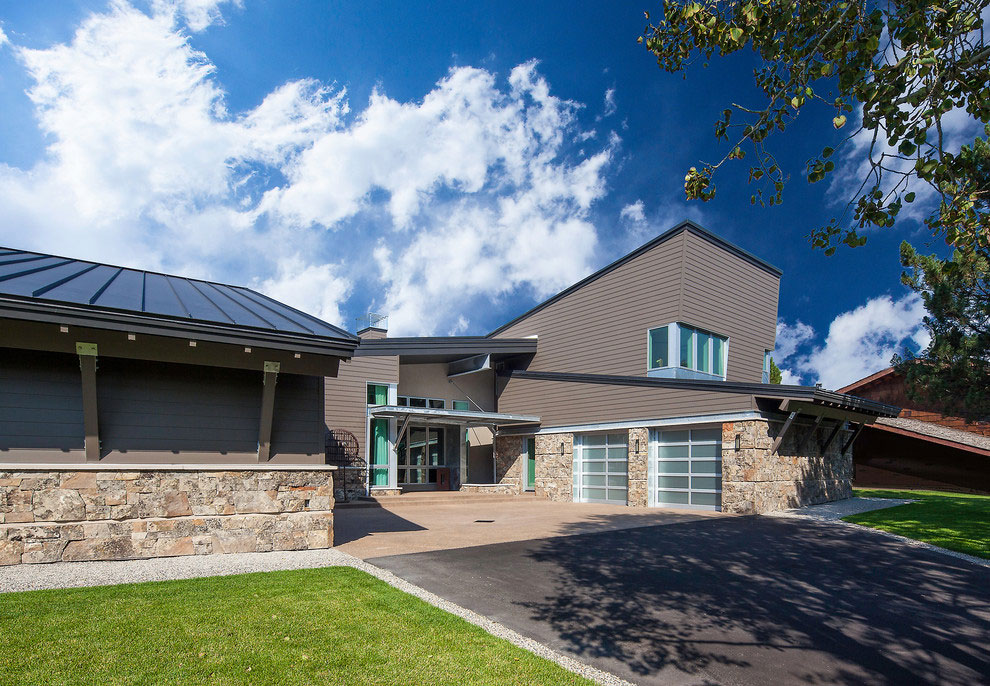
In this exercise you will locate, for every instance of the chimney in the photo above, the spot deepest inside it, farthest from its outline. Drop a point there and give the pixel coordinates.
(372, 326)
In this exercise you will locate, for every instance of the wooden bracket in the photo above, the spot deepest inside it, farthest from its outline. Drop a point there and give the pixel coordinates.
(832, 435)
(91, 422)
(783, 432)
(852, 438)
(267, 411)
(804, 441)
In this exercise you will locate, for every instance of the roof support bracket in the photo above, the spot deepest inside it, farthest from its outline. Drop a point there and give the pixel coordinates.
(267, 411)
(783, 432)
(852, 439)
(814, 428)
(831, 437)
(91, 422)
(402, 430)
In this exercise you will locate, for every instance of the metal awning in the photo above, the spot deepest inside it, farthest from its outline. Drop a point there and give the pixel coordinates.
(429, 415)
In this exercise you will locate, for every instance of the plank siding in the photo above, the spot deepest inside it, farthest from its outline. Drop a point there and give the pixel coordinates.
(346, 396)
(40, 407)
(560, 403)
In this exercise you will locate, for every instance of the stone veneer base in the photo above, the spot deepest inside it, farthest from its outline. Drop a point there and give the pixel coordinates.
(119, 512)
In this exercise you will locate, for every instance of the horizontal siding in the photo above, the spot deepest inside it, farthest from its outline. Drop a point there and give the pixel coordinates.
(602, 327)
(40, 406)
(346, 395)
(560, 403)
(297, 427)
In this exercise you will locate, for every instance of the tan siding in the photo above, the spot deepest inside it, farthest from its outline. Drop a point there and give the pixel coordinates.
(601, 328)
(430, 381)
(560, 403)
(346, 396)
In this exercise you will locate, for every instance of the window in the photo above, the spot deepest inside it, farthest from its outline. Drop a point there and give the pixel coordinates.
(462, 405)
(434, 403)
(377, 394)
(659, 347)
(678, 351)
(766, 366)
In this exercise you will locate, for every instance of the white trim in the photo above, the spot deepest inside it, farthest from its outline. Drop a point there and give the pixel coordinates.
(164, 467)
(639, 424)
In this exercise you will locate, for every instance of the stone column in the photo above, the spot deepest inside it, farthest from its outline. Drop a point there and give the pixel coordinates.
(508, 461)
(638, 467)
(555, 467)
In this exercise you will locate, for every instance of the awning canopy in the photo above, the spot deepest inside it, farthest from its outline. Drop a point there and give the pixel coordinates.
(428, 415)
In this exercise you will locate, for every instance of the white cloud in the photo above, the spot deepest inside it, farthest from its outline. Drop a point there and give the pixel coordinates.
(859, 342)
(633, 212)
(609, 102)
(3, 37)
(476, 189)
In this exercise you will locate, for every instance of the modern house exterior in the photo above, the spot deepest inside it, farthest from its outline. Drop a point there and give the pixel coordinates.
(643, 385)
(922, 447)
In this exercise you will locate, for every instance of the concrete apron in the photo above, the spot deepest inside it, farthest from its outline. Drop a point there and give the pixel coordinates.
(397, 529)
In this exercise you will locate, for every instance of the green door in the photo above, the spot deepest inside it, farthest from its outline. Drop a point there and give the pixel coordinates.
(531, 463)
(379, 452)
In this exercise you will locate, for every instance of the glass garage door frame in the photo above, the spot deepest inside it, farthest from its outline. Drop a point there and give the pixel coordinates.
(686, 467)
(601, 468)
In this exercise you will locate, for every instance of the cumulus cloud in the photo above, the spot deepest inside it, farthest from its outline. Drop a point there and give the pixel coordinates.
(476, 190)
(610, 106)
(633, 212)
(3, 37)
(858, 343)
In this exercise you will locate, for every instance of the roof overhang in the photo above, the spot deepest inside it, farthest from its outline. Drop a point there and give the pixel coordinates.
(427, 415)
(35, 310)
(446, 349)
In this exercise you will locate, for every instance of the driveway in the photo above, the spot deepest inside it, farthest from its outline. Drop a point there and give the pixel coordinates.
(409, 527)
(729, 600)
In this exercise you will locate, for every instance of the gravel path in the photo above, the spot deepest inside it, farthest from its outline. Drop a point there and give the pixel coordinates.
(834, 512)
(76, 574)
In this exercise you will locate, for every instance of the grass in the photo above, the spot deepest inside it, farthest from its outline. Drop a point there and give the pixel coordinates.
(317, 626)
(957, 521)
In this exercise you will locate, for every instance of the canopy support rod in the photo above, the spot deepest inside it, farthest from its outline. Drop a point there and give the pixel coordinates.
(852, 438)
(831, 436)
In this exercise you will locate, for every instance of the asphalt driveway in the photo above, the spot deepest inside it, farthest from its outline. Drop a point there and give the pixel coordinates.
(744, 600)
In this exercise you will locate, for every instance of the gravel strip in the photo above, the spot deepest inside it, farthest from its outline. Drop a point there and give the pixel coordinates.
(32, 577)
(832, 513)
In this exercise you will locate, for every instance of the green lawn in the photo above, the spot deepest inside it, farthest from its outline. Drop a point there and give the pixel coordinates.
(957, 521)
(316, 626)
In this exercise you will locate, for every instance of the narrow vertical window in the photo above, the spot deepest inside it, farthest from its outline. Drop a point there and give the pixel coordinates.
(718, 355)
(704, 341)
(687, 347)
(658, 348)
(377, 394)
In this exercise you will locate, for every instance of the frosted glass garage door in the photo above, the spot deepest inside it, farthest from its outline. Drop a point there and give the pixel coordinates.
(601, 463)
(686, 468)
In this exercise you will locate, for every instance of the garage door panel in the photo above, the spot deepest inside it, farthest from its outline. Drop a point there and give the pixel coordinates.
(686, 468)
(601, 466)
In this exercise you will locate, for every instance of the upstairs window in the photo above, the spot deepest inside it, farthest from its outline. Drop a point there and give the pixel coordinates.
(377, 394)
(702, 354)
(433, 403)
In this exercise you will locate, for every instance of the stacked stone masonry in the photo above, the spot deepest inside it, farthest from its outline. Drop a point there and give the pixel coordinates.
(56, 515)
(555, 467)
(755, 480)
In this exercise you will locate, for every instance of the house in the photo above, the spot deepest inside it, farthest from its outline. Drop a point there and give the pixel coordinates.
(144, 414)
(922, 447)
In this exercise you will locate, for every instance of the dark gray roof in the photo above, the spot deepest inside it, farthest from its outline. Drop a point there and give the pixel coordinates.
(813, 394)
(665, 236)
(445, 348)
(47, 279)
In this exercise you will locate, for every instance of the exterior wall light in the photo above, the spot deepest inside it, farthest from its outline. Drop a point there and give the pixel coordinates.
(561, 448)
(738, 442)
(637, 445)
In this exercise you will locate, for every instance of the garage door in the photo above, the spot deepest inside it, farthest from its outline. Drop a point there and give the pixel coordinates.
(601, 463)
(686, 468)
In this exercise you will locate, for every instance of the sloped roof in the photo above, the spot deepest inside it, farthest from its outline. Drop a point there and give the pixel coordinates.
(667, 235)
(48, 279)
(944, 434)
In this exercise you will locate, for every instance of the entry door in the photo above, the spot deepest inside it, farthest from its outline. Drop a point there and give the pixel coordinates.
(530, 464)
(686, 468)
(601, 464)
(419, 454)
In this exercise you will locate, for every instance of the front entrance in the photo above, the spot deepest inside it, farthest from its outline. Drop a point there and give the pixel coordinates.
(420, 459)
(686, 468)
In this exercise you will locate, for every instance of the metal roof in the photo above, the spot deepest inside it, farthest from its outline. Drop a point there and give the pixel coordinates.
(431, 415)
(665, 236)
(43, 279)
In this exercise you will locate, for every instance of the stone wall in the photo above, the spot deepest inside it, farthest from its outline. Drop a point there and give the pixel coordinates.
(111, 514)
(754, 480)
(489, 489)
(508, 462)
(638, 467)
(555, 467)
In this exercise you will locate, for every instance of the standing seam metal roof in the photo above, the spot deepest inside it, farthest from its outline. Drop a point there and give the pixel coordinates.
(48, 277)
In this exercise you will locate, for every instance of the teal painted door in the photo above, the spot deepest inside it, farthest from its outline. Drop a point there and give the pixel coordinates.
(379, 452)
(531, 463)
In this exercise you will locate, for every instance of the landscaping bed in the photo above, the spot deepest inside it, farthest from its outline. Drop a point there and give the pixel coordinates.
(956, 521)
(335, 625)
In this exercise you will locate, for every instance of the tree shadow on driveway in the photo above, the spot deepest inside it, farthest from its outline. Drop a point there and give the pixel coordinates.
(762, 600)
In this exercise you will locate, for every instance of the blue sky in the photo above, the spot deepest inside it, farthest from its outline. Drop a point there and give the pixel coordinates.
(449, 164)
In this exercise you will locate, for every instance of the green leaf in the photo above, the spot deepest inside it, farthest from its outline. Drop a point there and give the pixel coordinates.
(735, 33)
(909, 197)
(839, 122)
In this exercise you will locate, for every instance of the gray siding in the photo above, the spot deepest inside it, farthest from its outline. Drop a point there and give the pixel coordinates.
(346, 396)
(40, 407)
(601, 328)
(559, 403)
